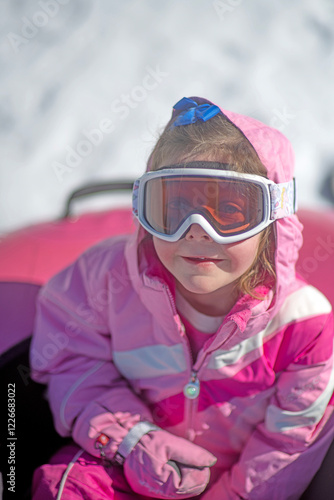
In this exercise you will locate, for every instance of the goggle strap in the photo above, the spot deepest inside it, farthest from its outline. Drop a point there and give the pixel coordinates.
(283, 199)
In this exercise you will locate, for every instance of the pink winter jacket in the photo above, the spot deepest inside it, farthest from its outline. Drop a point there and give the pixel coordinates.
(108, 340)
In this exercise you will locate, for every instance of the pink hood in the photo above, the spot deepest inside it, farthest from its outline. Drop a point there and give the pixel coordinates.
(276, 153)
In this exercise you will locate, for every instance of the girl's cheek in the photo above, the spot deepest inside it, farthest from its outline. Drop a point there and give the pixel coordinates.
(164, 249)
(243, 250)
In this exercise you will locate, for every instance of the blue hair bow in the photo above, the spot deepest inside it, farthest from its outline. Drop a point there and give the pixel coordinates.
(191, 112)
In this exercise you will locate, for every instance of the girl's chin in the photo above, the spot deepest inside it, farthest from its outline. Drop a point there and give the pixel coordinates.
(210, 300)
(202, 286)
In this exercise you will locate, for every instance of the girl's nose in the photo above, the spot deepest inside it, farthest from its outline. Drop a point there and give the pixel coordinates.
(197, 233)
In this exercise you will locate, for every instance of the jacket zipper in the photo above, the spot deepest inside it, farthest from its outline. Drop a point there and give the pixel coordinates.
(191, 390)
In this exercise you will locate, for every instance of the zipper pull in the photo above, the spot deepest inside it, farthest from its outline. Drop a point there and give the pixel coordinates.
(191, 390)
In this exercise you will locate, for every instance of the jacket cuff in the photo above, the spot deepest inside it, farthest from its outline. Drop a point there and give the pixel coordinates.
(132, 438)
(107, 431)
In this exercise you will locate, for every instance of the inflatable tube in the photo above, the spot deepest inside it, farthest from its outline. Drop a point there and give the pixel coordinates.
(30, 256)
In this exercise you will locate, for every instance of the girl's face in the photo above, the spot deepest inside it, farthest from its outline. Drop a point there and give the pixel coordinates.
(206, 271)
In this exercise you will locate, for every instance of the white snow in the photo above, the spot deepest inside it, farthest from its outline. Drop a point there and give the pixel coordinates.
(70, 67)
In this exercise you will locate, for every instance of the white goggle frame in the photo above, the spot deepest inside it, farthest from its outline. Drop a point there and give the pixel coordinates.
(279, 201)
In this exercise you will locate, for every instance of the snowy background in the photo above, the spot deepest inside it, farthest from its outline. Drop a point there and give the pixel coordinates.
(86, 85)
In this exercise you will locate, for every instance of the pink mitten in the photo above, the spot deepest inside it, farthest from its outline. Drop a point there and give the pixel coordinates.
(162, 465)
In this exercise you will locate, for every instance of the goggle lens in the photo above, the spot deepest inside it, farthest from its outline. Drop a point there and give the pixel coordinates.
(231, 206)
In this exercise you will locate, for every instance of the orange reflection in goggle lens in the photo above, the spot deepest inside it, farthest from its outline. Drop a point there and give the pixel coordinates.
(230, 206)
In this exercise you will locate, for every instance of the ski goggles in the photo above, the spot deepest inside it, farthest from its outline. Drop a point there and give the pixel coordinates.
(229, 206)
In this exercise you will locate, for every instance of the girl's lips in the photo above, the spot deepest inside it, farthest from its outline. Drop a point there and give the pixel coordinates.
(202, 260)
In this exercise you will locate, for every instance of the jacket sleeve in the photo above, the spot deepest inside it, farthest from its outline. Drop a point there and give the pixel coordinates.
(71, 352)
(287, 448)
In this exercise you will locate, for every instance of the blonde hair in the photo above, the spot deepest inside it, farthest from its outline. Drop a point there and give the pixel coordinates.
(219, 140)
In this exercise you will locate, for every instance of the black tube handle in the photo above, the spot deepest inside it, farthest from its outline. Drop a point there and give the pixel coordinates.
(92, 189)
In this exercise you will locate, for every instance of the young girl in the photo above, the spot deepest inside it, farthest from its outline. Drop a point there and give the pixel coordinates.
(188, 359)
